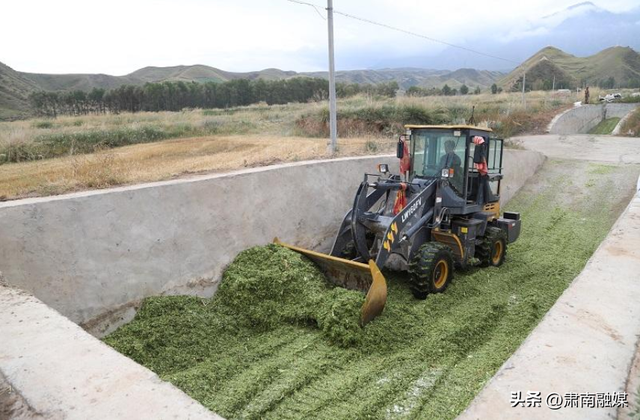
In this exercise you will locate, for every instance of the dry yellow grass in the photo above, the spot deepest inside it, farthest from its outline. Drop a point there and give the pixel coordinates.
(168, 159)
(256, 135)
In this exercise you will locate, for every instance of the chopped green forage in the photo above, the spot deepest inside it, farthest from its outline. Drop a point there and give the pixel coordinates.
(278, 342)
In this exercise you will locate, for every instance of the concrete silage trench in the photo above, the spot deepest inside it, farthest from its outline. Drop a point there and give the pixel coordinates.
(106, 304)
(581, 119)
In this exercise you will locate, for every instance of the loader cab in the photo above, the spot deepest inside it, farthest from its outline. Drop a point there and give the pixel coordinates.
(447, 153)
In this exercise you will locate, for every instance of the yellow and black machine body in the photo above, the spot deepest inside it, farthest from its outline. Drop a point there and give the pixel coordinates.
(441, 211)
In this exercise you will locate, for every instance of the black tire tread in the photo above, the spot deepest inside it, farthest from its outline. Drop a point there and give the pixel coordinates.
(484, 250)
(422, 265)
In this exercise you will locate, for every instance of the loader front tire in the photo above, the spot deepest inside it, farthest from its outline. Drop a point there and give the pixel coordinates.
(493, 249)
(431, 269)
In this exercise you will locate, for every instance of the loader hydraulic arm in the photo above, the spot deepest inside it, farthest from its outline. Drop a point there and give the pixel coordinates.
(408, 222)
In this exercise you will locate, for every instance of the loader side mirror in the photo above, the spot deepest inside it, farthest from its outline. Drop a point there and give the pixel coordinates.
(400, 149)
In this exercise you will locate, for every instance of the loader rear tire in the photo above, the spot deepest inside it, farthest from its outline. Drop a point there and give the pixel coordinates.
(431, 269)
(493, 249)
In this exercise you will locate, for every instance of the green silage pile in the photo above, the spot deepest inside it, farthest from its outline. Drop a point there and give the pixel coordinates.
(268, 286)
(263, 289)
(277, 342)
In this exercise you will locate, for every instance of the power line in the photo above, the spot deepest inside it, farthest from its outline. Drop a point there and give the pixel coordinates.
(319, 13)
(310, 4)
(384, 25)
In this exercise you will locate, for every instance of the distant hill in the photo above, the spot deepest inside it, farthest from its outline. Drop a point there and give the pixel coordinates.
(197, 73)
(14, 90)
(583, 29)
(620, 63)
(16, 86)
(201, 73)
(407, 77)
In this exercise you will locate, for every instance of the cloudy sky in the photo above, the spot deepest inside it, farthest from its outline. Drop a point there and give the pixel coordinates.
(118, 36)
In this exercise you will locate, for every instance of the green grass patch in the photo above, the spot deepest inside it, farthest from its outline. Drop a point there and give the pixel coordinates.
(605, 126)
(276, 342)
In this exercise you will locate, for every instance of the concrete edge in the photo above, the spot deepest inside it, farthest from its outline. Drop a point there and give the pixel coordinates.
(632, 389)
(587, 342)
(62, 372)
(623, 120)
(556, 118)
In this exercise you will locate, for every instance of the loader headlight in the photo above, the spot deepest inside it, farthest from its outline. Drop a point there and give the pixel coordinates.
(383, 168)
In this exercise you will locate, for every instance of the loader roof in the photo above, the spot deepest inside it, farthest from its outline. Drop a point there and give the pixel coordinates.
(450, 127)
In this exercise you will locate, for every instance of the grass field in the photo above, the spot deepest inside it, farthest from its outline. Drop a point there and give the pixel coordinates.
(419, 359)
(169, 159)
(53, 156)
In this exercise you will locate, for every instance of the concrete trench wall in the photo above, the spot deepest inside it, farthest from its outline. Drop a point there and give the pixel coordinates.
(581, 119)
(93, 256)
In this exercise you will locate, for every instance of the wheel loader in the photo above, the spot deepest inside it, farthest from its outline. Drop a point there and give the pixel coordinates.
(442, 211)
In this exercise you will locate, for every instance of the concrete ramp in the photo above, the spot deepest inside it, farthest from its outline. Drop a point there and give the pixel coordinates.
(581, 119)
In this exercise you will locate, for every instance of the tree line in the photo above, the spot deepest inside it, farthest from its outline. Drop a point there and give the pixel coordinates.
(445, 90)
(175, 96)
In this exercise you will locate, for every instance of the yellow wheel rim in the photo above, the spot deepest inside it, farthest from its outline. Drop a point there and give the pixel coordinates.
(497, 252)
(440, 274)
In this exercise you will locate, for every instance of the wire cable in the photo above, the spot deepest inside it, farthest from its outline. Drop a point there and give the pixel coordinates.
(384, 25)
(309, 4)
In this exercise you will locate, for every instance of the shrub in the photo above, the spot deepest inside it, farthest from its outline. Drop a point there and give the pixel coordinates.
(387, 119)
(371, 146)
(43, 124)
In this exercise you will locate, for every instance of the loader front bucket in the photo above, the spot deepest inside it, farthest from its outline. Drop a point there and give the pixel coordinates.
(352, 275)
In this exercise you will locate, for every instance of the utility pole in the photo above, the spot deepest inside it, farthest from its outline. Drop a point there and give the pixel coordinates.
(524, 82)
(553, 89)
(333, 127)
